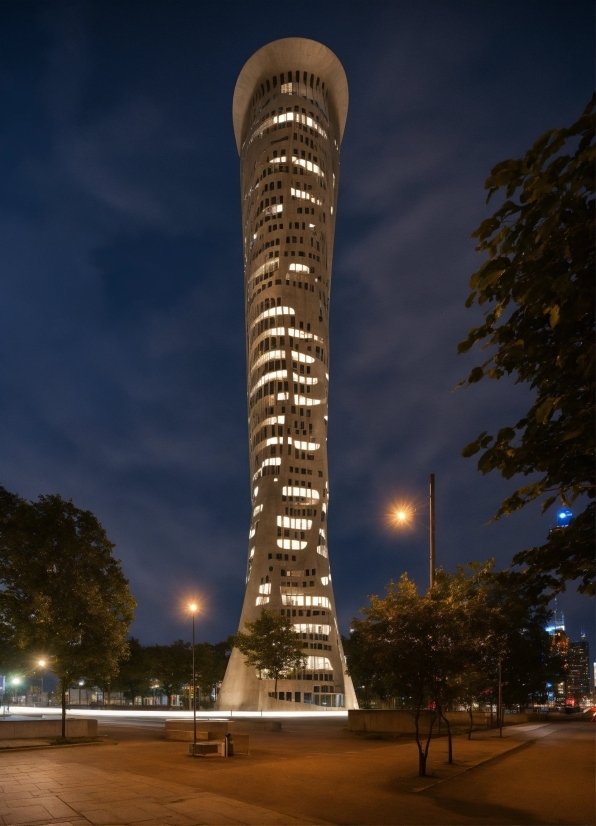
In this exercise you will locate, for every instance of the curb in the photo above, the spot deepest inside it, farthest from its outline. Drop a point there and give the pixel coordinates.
(526, 744)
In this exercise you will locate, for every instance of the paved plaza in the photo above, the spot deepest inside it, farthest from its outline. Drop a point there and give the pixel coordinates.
(310, 772)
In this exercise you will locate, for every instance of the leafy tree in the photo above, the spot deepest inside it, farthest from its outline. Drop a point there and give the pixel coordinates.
(443, 648)
(398, 632)
(61, 589)
(210, 664)
(172, 666)
(369, 680)
(134, 672)
(271, 646)
(538, 285)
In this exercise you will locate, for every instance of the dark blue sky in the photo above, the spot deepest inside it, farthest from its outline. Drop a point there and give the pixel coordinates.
(121, 323)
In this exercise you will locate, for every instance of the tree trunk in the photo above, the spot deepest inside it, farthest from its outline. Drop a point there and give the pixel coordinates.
(423, 752)
(63, 689)
(275, 689)
(449, 739)
(471, 722)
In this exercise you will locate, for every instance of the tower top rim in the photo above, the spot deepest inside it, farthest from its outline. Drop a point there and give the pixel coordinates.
(279, 55)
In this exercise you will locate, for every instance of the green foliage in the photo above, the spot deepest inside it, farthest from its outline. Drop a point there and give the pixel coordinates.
(538, 283)
(171, 666)
(134, 672)
(61, 590)
(271, 645)
(442, 648)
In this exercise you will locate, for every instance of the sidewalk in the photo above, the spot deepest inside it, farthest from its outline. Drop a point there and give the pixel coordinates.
(38, 792)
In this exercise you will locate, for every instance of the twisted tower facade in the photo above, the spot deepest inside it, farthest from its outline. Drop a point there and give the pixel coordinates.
(289, 111)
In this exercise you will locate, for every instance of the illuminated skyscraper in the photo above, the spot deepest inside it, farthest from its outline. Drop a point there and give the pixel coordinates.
(578, 682)
(289, 111)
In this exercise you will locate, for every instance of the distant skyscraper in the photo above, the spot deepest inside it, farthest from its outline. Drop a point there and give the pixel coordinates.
(289, 111)
(578, 680)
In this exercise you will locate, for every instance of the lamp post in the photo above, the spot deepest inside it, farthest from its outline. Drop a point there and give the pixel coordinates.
(16, 681)
(402, 515)
(41, 664)
(500, 701)
(193, 609)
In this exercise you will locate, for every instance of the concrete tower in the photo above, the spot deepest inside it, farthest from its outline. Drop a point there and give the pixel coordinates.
(289, 111)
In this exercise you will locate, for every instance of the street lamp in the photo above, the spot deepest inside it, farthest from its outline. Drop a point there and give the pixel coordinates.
(402, 515)
(41, 664)
(193, 608)
(16, 681)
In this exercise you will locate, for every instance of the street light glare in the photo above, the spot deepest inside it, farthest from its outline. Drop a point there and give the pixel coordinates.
(193, 607)
(41, 662)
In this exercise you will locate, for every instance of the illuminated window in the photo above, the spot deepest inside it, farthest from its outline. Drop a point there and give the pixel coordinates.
(294, 524)
(291, 544)
(301, 494)
(305, 600)
(318, 664)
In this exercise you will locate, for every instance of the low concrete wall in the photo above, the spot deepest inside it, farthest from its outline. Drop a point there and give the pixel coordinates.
(206, 729)
(399, 721)
(35, 729)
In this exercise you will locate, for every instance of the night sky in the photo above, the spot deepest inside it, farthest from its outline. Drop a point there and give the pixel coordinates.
(122, 360)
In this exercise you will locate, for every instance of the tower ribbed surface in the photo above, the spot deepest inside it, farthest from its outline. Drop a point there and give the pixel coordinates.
(289, 111)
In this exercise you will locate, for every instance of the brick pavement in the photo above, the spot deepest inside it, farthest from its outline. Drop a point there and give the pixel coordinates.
(37, 791)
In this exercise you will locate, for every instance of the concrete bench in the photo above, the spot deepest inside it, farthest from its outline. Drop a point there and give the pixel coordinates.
(204, 749)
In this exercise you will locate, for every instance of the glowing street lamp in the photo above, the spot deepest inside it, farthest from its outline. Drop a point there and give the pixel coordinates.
(402, 516)
(193, 608)
(41, 664)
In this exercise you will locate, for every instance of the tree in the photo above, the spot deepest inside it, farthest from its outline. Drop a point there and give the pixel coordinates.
(172, 666)
(443, 648)
(538, 284)
(271, 646)
(134, 672)
(398, 632)
(210, 664)
(61, 590)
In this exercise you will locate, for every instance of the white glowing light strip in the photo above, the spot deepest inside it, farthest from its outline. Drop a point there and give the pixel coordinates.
(299, 268)
(275, 374)
(323, 551)
(269, 266)
(306, 628)
(265, 588)
(308, 165)
(252, 553)
(302, 357)
(303, 493)
(276, 209)
(294, 524)
(257, 510)
(283, 397)
(299, 193)
(254, 493)
(325, 580)
(286, 88)
(271, 420)
(291, 544)
(292, 331)
(252, 533)
(270, 354)
(304, 379)
(261, 600)
(274, 311)
(270, 331)
(318, 664)
(305, 401)
(274, 440)
(305, 599)
(139, 713)
(304, 445)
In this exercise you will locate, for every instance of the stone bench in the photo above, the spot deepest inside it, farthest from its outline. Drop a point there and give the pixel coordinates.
(36, 729)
